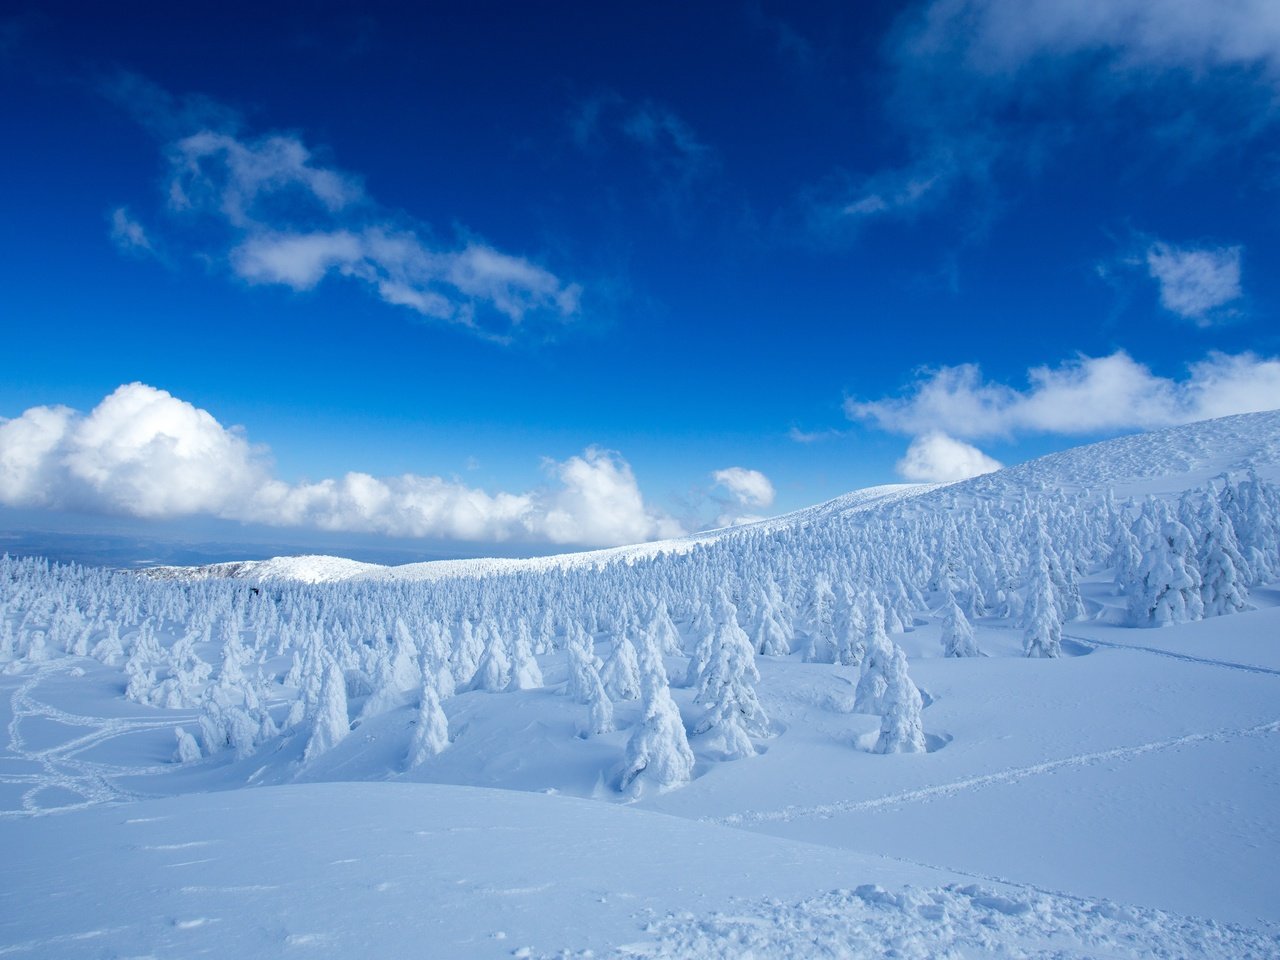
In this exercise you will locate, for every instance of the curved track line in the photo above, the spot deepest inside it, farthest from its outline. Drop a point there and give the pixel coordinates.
(1208, 661)
(974, 783)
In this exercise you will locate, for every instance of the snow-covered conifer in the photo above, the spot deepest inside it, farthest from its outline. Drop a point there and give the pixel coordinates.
(1224, 572)
(901, 727)
(817, 619)
(331, 721)
(727, 687)
(872, 680)
(494, 670)
(663, 631)
(657, 755)
(431, 732)
(957, 633)
(1167, 589)
(525, 673)
(703, 629)
(188, 750)
(621, 673)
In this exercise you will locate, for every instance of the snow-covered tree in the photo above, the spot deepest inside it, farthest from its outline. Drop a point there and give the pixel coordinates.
(1041, 622)
(1167, 589)
(957, 633)
(331, 722)
(657, 755)
(901, 727)
(525, 672)
(1224, 573)
(872, 679)
(621, 672)
(188, 751)
(817, 618)
(431, 732)
(584, 683)
(727, 687)
(493, 672)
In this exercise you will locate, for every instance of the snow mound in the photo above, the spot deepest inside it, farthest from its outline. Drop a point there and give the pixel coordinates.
(950, 921)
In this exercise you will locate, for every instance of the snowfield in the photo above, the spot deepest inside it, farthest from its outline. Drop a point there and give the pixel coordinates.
(1033, 714)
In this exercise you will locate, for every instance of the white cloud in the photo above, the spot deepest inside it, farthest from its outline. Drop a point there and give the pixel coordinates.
(403, 271)
(1006, 36)
(751, 488)
(141, 451)
(599, 502)
(1195, 283)
(979, 86)
(812, 436)
(938, 458)
(278, 215)
(128, 234)
(1086, 395)
(146, 453)
(742, 492)
(245, 179)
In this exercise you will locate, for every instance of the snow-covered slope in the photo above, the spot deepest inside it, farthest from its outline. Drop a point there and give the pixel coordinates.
(1159, 462)
(391, 870)
(325, 569)
(219, 757)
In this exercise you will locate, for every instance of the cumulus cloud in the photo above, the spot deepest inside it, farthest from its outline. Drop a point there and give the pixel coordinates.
(938, 458)
(145, 453)
(751, 488)
(599, 502)
(1081, 396)
(277, 214)
(1195, 283)
(738, 493)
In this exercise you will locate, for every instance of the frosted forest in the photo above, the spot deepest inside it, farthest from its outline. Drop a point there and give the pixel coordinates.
(889, 688)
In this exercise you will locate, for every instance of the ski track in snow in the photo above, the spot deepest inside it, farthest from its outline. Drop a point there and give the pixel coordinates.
(1011, 775)
(1207, 661)
(60, 767)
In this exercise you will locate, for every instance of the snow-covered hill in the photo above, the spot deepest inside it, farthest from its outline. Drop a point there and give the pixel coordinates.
(326, 569)
(1159, 462)
(702, 748)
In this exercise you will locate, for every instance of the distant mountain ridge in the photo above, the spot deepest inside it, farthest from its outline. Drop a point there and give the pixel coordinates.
(1164, 460)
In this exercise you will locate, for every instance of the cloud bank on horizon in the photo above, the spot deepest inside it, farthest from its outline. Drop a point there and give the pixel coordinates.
(143, 452)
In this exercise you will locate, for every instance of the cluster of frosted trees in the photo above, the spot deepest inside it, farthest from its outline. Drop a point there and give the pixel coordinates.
(311, 661)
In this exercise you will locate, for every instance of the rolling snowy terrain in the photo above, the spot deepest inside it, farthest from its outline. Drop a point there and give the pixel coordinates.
(1032, 714)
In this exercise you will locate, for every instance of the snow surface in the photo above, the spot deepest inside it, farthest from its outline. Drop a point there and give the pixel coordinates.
(1119, 801)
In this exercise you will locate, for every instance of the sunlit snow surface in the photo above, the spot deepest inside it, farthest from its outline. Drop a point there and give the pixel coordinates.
(1118, 802)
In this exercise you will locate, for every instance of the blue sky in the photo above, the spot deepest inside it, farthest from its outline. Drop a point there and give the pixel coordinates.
(512, 279)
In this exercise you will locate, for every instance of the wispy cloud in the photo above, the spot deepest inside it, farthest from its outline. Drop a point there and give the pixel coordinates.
(982, 87)
(1197, 284)
(275, 213)
(143, 452)
(812, 436)
(128, 234)
(1082, 396)
(790, 44)
(675, 154)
